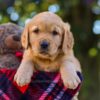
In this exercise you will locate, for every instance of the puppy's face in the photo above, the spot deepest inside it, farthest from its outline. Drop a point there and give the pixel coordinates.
(45, 35)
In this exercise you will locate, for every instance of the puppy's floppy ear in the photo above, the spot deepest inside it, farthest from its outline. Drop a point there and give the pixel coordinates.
(25, 37)
(68, 40)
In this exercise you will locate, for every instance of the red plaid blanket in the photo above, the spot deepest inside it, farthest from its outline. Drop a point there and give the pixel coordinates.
(44, 86)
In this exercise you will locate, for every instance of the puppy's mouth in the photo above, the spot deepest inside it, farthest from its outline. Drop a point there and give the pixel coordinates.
(47, 56)
(44, 53)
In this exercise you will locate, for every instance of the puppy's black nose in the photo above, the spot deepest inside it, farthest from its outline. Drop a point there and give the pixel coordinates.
(16, 38)
(44, 45)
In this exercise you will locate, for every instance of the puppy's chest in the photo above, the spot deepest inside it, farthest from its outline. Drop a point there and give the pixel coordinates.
(47, 68)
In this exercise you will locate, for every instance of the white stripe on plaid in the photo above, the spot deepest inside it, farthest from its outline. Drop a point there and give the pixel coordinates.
(3, 95)
(61, 93)
(50, 88)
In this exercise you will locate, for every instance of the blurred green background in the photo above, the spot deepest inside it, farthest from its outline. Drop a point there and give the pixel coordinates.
(84, 18)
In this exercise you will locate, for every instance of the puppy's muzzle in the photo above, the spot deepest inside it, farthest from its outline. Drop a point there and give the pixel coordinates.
(44, 46)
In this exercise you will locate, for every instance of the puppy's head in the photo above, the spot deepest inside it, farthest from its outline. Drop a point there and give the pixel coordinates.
(47, 35)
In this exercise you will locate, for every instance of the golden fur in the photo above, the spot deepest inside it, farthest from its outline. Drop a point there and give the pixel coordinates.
(59, 57)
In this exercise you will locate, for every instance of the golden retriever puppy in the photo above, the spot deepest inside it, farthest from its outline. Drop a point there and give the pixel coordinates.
(48, 45)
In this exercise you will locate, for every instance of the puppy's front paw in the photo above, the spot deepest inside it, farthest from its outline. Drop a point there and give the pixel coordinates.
(70, 80)
(23, 77)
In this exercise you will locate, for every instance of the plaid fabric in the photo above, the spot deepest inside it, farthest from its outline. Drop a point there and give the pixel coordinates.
(43, 86)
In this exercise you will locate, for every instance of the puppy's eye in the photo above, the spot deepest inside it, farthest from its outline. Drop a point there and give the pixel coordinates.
(55, 33)
(36, 30)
